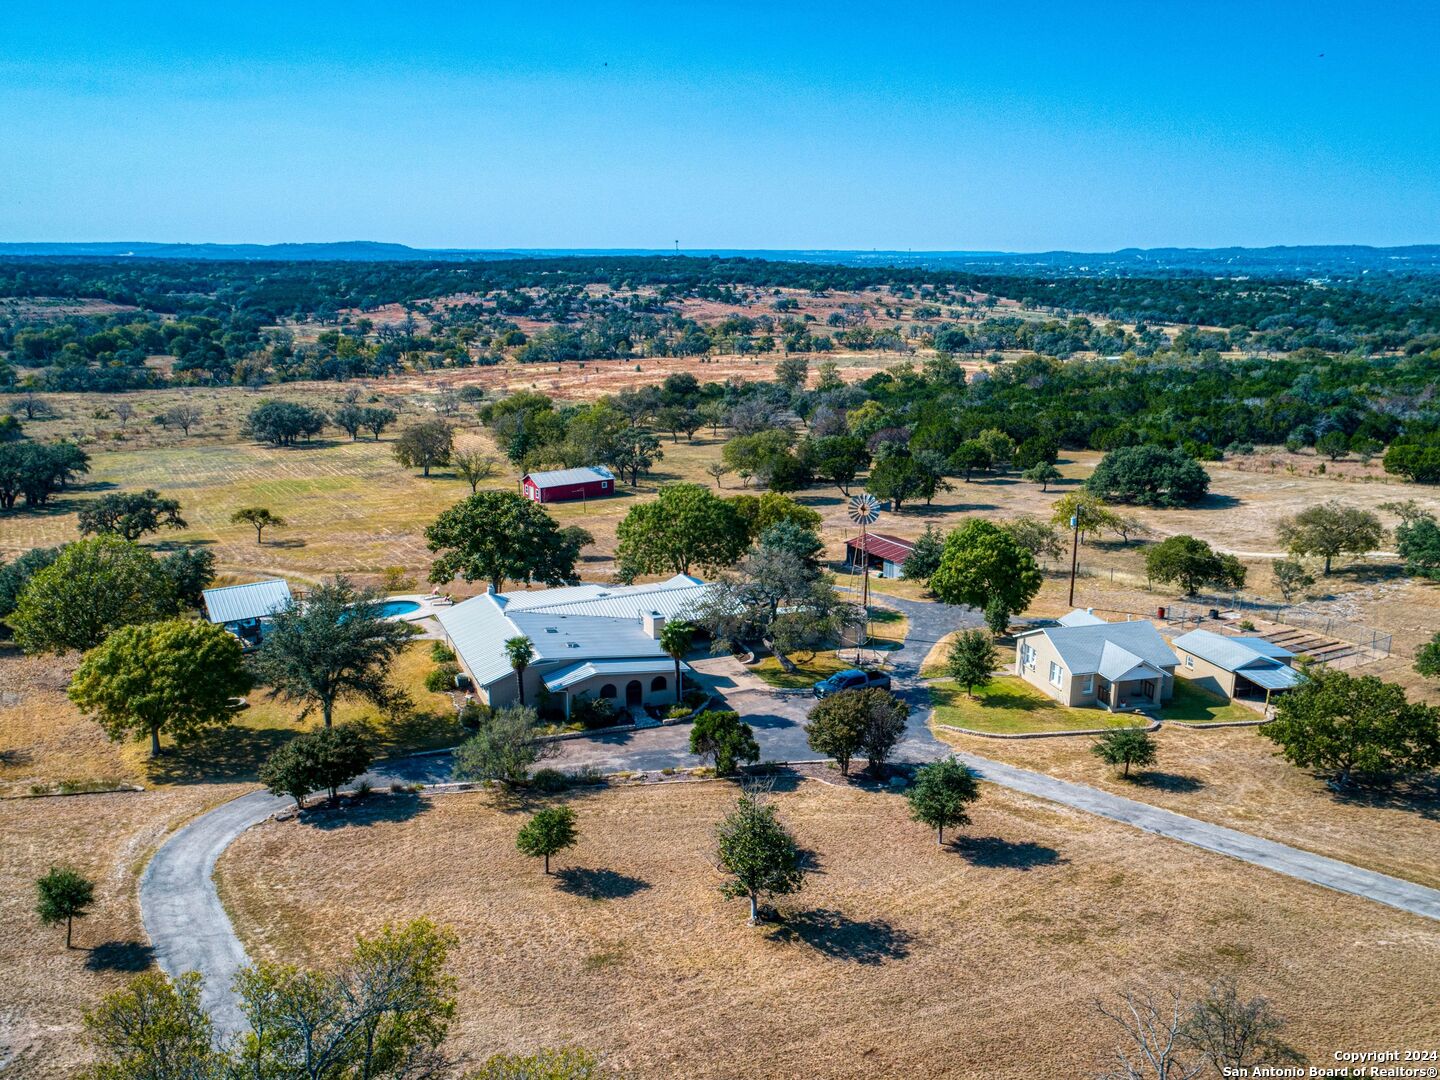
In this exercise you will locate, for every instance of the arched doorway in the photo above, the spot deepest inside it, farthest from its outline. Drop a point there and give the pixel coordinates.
(634, 694)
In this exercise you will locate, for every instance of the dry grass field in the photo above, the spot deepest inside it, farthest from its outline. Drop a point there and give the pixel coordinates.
(44, 988)
(1232, 776)
(897, 958)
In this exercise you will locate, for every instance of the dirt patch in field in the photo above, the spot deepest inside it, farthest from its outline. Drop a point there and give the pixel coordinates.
(898, 958)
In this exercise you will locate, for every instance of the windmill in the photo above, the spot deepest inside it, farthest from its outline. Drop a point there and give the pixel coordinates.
(864, 509)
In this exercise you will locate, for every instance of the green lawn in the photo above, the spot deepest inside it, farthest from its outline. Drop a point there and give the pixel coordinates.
(1009, 707)
(1192, 705)
(887, 627)
(808, 671)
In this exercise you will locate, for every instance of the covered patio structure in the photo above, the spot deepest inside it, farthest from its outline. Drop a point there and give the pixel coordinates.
(1128, 681)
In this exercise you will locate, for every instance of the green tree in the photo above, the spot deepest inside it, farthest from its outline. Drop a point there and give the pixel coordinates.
(176, 677)
(757, 854)
(283, 423)
(837, 458)
(154, 1029)
(984, 567)
(14, 576)
(505, 747)
(676, 638)
(760, 513)
(1043, 474)
(1348, 726)
(685, 526)
(941, 795)
(1150, 476)
(1040, 538)
(898, 478)
(189, 570)
(1125, 746)
(924, 557)
(1333, 444)
(1086, 510)
(725, 739)
(837, 726)
(425, 445)
(969, 456)
(1427, 658)
(885, 720)
(381, 1015)
(1418, 542)
(378, 419)
(1291, 577)
(972, 659)
(63, 895)
(130, 515)
(1417, 462)
(499, 536)
(349, 419)
(258, 518)
(473, 467)
(321, 760)
(91, 589)
(1194, 565)
(1329, 529)
(519, 650)
(336, 644)
(632, 452)
(548, 832)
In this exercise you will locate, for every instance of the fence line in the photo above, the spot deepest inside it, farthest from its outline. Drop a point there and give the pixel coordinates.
(1367, 637)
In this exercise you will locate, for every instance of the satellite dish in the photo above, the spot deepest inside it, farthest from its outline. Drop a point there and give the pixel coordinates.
(864, 508)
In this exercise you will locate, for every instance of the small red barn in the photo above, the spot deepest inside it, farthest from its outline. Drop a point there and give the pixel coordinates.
(564, 485)
(879, 551)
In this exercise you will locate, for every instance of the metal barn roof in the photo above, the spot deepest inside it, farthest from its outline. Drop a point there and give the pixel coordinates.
(883, 546)
(236, 603)
(563, 477)
(1232, 653)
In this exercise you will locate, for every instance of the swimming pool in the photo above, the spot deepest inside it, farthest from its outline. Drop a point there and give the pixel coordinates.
(398, 607)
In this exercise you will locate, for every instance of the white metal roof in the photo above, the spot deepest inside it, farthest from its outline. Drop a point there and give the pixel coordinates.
(1080, 617)
(567, 626)
(236, 603)
(567, 677)
(561, 477)
(1082, 647)
(1232, 653)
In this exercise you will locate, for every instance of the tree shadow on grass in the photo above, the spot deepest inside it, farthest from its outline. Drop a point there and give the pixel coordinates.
(374, 809)
(287, 542)
(836, 935)
(219, 755)
(1165, 781)
(127, 956)
(598, 884)
(1418, 795)
(994, 852)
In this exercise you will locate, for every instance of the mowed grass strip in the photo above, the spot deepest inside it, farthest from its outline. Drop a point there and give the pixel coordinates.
(1007, 706)
(897, 958)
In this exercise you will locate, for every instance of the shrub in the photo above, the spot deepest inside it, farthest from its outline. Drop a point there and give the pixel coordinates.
(593, 713)
(472, 715)
(442, 653)
(442, 678)
(549, 780)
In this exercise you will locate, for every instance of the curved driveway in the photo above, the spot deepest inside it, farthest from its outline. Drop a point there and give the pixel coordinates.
(190, 931)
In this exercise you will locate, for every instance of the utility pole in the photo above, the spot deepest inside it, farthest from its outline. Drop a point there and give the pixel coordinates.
(1074, 553)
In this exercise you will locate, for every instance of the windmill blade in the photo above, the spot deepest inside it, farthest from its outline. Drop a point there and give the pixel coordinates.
(864, 508)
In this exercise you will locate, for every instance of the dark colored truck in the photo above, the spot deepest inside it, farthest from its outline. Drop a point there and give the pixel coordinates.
(853, 679)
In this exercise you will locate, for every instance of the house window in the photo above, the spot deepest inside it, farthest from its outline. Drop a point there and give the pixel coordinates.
(1057, 674)
(1189, 661)
(658, 683)
(608, 690)
(1089, 684)
(1027, 656)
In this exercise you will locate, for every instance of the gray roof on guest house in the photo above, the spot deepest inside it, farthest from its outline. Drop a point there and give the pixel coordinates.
(236, 603)
(1232, 653)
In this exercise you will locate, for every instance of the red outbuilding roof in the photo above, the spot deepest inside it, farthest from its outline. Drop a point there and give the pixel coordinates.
(891, 548)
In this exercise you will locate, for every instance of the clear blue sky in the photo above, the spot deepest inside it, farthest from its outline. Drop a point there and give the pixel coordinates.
(843, 125)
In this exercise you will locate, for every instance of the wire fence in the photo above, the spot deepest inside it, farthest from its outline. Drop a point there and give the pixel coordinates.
(1204, 605)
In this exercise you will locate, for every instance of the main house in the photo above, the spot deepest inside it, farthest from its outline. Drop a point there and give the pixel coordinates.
(1249, 668)
(1088, 661)
(590, 641)
(566, 485)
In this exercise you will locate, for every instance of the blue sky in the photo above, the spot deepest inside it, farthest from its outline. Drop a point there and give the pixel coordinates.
(949, 126)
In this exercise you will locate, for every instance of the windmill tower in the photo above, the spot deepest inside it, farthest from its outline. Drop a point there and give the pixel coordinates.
(864, 509)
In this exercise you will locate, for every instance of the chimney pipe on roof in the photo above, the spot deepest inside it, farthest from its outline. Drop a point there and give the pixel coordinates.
(490, 589)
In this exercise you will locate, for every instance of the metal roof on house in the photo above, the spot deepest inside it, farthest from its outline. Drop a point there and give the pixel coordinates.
(1273, 678)
(567, 677)
(1082, 647)
(1119, 664)
(883, 546)
(1080, 617)
(567, 626)
(236, 603)
(561, 477)
(1232, 653)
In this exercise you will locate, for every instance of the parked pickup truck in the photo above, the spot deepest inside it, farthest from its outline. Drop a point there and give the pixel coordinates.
(853, 679)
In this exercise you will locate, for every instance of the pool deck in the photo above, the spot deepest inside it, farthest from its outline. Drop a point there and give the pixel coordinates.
(424, 616)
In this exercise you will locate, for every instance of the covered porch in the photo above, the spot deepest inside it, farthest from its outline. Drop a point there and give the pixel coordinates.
(1143, 687)
(629, 685)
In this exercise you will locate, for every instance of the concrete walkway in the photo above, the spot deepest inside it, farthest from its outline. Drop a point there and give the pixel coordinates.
(190, 931)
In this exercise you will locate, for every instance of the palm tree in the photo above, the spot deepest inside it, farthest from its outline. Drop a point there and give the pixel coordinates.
(675, 639)
(520, 650)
